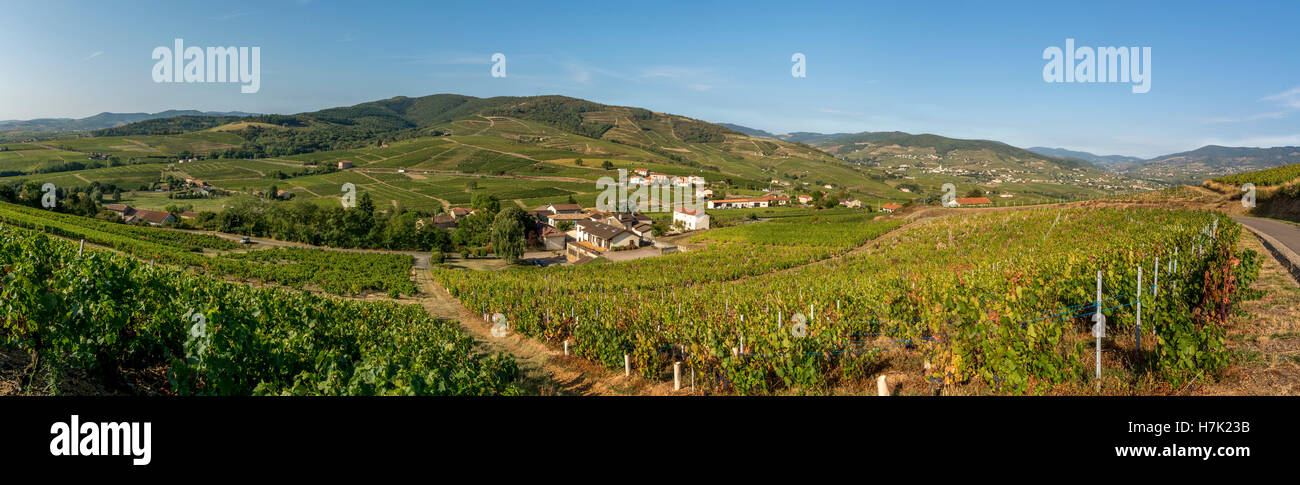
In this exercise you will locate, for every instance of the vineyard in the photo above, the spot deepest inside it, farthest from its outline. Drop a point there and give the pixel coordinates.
(1262, 178)
(331, 271)
(115, 319)
(1002, 298)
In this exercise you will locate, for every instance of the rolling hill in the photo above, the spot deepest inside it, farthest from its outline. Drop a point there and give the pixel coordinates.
(50, 126)
(1207, 162)
(928, 160)
(436, 151)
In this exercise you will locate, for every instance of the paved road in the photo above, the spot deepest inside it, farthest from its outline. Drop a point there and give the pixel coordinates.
(1285, 233)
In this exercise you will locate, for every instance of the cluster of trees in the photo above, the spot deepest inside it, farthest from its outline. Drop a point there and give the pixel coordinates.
(565, 113)
(66, 166)
(504, 232)
(301, 221)
(700, 132)
(261, 142)
(827, 201)
(167, 126)
(82, 201)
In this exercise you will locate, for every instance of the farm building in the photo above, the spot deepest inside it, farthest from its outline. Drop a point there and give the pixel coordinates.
(152, 218)
(739, 203)
(564, 208)
(851, 203)
(578, 252)
(552, 239)
(445, 221)
(605, 236)
(691, 219)
(890, 207)
(553, 220)
(122, 210)
(345, 164)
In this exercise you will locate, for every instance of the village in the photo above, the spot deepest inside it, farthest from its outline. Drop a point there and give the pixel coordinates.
(576, 235)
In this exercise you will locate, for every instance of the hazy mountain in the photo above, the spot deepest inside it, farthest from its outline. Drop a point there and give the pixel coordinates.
(755, 132)
(1100, 160)
(46, 126)
(1211, 161)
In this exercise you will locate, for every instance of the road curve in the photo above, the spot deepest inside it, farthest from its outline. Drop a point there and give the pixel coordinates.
(1280, 233)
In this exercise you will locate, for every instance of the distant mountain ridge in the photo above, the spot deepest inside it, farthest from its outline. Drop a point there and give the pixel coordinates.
(1211, 161)
(100, 121)
(755, 132)
(1101, 160)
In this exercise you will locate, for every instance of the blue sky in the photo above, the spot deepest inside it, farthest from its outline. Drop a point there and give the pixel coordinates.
(1221, 73)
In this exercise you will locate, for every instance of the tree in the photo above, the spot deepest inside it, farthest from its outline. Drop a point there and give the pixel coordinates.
(578, 162)
(508, 237)
(485, 202)
(975, 192)
(658, 228)
(564, 225)
(607, 165)
(272, 193)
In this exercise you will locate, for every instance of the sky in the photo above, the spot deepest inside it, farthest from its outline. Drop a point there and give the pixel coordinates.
(1221, 73)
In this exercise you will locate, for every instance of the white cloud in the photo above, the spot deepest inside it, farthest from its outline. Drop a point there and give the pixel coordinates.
(1290, 98)
(93, 55)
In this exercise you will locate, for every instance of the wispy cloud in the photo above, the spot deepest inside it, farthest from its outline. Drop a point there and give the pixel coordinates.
(93, 55)
(688, 77)
(583, 73)
(1290, 98)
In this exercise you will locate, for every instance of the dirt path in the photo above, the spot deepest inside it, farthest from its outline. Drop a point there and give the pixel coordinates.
(543, 371)
(491, 123)
(444, 202)
(519, 155)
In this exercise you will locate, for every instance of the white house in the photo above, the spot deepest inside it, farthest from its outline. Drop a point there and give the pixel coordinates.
(691, 219)
(739, 203)
(605, 236)
(853, 203)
